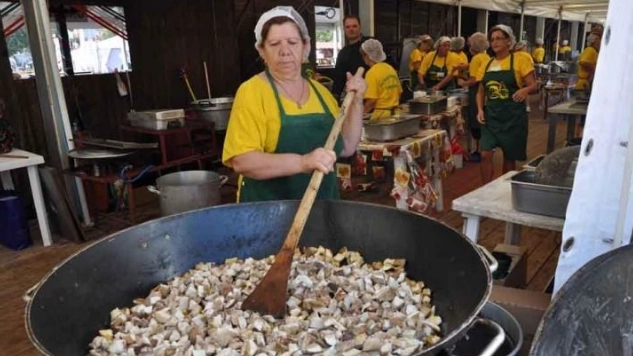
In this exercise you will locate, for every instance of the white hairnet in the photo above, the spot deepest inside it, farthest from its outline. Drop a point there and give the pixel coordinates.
(539, 41)
(441, 40)
(520, 45)
(373, 50)
(478, 42)
(505, 29)
(457, 43)
(281, 11)
(565, 42)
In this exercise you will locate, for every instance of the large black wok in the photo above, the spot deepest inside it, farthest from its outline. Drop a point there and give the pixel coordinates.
(73, 302)
(592, 313)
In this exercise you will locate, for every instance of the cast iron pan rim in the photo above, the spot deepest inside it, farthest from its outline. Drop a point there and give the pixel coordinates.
(568, 288)
(30, 294)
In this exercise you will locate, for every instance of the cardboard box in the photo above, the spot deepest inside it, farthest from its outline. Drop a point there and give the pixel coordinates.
(528, 307)
(518, 266)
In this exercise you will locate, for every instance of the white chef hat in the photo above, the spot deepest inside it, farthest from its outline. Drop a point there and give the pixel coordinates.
(505, 29)
(441, 40)
(539, 41)
(565, 42)
(281, 11)
(373, 50)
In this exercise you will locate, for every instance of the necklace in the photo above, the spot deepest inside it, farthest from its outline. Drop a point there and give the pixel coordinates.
(297, 101)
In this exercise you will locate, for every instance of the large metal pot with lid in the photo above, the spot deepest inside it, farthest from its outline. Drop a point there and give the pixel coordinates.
(216, 110)
(79, 294)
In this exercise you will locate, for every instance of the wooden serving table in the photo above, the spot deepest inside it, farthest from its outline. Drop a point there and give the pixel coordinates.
(494, 201)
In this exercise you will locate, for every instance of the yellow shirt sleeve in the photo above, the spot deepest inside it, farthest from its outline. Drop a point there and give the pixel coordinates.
(482, 70)
(478, 61)
(523, 66)
(415, 56)
(255, 121)
(426, 63)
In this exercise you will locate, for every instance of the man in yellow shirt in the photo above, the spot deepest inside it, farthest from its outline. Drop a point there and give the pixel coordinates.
(425, 43)
(564, 52)
(436, 70)
(538, 53)
(587, 62)
(382, 96)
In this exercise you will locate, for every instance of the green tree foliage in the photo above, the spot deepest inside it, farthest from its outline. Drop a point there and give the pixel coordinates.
(324, 35)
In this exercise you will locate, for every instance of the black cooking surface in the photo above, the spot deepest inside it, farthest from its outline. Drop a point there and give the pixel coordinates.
(476, 340)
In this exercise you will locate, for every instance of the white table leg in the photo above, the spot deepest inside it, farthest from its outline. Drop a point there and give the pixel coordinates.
(7, 181)
(437, 181)
(513, 234)
(40, 208)
(471, 226)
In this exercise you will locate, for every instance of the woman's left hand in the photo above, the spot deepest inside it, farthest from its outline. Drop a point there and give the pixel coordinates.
(520, 95)
(356, 83)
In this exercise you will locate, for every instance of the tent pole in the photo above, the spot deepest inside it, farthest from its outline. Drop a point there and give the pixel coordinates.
(584, 33)
(560, 19)
(459, 18)
(522, 20)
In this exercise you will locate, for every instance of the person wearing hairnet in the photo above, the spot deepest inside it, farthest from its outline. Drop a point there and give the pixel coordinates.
(436, 70)
(478, 44)
(425, 44)
(538, 53)
(564, 49)
(506, 81)
(587, 62)
(280, 120)
(382, 96)
(457, 48)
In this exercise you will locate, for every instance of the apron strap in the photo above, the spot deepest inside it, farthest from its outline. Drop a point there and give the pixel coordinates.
(326, 109)
(282, 112)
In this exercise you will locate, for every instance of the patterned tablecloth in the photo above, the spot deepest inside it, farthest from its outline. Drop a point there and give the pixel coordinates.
(451, 120)
(419, 164)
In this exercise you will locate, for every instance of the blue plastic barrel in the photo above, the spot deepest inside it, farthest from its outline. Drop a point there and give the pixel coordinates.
(14, 230)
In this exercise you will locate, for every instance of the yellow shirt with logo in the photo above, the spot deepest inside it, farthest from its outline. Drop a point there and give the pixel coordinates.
(522, 68)
(589, 55)
(415, 56)
(384, 86)
(538, 54)
(477, 62)
(451, 61)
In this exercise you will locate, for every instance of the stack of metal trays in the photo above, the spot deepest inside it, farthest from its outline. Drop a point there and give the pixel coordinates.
(392, 127)
(541, 199)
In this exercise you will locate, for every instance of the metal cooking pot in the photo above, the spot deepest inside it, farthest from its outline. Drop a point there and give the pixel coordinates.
(188, 190)
(591, 314)
(71, 304)
(216, 110)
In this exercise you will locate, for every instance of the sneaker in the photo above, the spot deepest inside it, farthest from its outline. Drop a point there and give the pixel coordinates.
(475, 157)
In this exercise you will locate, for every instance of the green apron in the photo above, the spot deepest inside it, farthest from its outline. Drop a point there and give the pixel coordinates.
(434, 75)
(506, 120)
(300, 134)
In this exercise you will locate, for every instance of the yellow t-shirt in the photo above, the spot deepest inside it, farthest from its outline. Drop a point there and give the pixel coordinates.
(538, 54)
(564, 49)
(384, 86)
(255, 120)
(451, 61)
(460, 58)
(526, 55)
(415, 56)
(477, 62)
(522, 68)
(589, 55)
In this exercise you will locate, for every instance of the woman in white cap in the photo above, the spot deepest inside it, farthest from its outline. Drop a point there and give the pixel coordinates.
(280, 120)
(506, 81)
(436, 70)
(477, 44)
(457, 48)
(538, 53)
(425, 45)
(382, 96)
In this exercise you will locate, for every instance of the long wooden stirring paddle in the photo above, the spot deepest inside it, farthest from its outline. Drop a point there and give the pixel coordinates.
(269, 297)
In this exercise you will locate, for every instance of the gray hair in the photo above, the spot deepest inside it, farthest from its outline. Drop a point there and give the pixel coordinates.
(521, 45)
(457, 43)
(478, 42)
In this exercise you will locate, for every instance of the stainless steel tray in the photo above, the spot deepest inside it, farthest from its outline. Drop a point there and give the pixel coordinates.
(428, 105)
(392, 127)
(540, 199)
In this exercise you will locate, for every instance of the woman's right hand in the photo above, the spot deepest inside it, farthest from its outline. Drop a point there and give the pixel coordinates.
(480, 117)
(320, 159)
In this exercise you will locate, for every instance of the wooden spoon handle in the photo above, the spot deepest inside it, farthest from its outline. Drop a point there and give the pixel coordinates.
(309, 196)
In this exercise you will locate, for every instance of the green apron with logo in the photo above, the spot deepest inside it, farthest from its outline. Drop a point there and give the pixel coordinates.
(435, 74)
(300, 134)
(506, 120)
